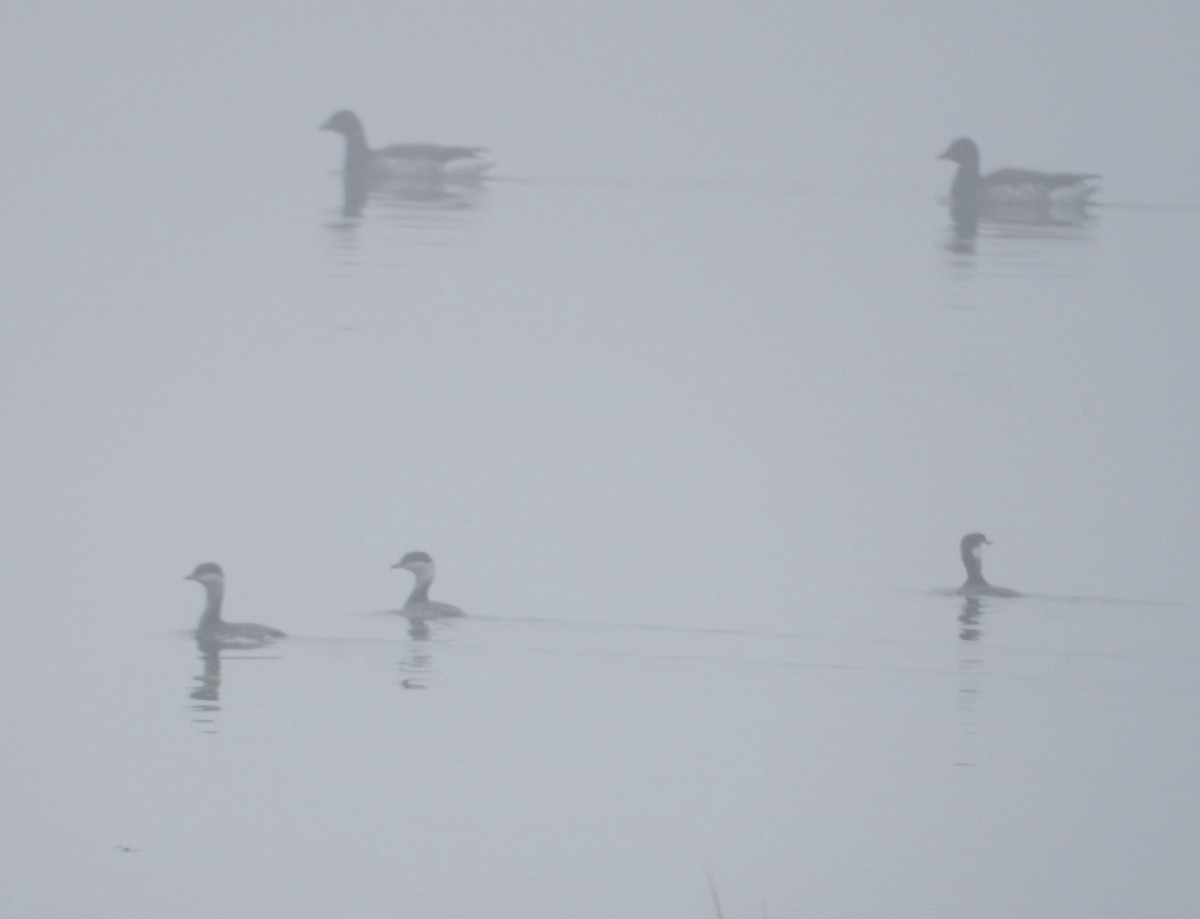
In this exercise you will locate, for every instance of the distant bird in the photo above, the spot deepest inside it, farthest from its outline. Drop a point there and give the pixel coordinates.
(971, 549)
(1013, 195)
(213, 630)
(418, 607)
(423, 164)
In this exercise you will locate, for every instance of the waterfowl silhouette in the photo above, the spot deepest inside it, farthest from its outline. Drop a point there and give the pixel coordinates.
(1013, 195)
(971, 549)
(418, 607)
(212, 629)
(418, 164)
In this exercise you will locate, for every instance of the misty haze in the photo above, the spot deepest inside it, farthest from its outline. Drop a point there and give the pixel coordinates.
(631, 446)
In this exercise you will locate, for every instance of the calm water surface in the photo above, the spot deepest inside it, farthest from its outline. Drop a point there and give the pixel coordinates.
(697, 458)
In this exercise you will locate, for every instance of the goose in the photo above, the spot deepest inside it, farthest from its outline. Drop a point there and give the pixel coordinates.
(413, 164)
(1013, 195)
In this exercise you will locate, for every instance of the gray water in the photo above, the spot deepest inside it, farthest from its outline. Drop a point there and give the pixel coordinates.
(692, 436)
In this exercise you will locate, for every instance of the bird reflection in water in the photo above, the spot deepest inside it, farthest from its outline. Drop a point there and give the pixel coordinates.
(422, 213)
(969, 619)
(970, 685)
(966, 232)
(416, 667)
(205, 692)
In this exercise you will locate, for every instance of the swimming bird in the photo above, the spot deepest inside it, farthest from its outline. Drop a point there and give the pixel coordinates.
(1013, 195)
(213, 630)
(418, 607)
(971, 549)
(414, 164)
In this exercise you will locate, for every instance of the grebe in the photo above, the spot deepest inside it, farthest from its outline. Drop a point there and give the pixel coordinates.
(427, 164)
(976, 585)
(1012, 195)
(214, 630)
(418, 607)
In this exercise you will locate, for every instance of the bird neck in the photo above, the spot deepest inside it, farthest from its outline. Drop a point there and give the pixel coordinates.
(420, 591)
(356, 145)
(356, 175)
(967, 177)
(974, 568)
(214, 594)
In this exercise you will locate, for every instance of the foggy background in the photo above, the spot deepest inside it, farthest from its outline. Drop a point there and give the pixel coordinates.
(691, 404)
